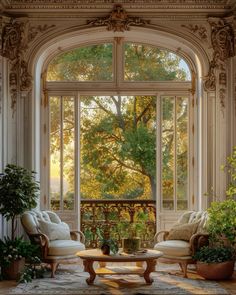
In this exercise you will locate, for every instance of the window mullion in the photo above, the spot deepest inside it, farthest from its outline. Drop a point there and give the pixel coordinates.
(159, 198)
(77, 157)
(175, 154)
(118, 61)
(61, 153)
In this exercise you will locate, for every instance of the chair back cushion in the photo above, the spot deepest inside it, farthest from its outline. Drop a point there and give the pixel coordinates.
(183, 231)
(47, 222)
(199, 217)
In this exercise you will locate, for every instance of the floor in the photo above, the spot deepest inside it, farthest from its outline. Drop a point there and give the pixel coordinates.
(229, 285)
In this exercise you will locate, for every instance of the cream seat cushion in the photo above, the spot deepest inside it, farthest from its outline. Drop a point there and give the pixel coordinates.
(175, 248)
(64, 247)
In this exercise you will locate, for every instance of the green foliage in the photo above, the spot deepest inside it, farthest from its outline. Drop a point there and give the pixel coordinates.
(112, 243)
(18, 191)
(33, 270)
(148, 63)
(222, 220)
(139, 146)
(230, 167)
(137, 228)
(209, 254)
(11, 250)
(90, 63)
(118, 133)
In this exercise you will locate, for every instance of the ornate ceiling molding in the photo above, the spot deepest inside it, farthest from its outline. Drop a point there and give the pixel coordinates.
(118, 20)
(223, 44)
(134, 4)
(16, 35)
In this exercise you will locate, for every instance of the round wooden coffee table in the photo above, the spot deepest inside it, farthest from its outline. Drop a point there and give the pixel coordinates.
(89, 256)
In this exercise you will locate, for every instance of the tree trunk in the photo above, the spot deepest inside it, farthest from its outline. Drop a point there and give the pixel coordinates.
(13, 228)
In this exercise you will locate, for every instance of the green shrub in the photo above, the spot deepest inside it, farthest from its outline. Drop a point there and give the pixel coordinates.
(209, 254)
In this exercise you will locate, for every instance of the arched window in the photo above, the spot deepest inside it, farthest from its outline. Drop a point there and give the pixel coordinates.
(119, 118)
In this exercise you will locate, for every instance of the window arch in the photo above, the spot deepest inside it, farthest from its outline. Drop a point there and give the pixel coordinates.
(142, 62)
(170, 91)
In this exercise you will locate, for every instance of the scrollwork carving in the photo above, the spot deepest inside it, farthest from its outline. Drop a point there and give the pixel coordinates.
(25, 77)
(16, 36)
(210, 83)
(222, 39)
(200, 31)
(12, 39)
(118, 20)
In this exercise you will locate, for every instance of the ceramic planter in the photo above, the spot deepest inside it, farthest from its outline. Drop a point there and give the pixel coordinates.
(13, 271)
(215, 271)
(131, 245)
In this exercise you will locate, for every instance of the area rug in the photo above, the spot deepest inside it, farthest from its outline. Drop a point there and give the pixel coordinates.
(71, 280)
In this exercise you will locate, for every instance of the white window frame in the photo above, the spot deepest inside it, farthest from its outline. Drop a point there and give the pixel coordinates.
(120, 87)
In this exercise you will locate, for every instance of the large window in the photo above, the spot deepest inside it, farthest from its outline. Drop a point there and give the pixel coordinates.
(105, 143)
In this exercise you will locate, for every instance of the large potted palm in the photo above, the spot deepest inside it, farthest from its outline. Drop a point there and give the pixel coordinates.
(18, 193)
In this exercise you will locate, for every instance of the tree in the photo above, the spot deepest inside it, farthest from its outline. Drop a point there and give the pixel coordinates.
(118, 134)
(18, 193)
(118, 143)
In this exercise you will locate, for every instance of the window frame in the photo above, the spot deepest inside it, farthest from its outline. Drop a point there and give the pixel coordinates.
(121, 87)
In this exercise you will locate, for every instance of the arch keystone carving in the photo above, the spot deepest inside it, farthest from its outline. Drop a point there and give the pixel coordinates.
(118, 20)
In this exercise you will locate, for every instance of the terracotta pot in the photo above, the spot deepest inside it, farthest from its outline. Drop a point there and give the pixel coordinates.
(215, 271)
(131, 245)
(13, 271)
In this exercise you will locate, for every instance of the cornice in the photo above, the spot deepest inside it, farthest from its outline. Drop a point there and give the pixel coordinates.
(127, 4)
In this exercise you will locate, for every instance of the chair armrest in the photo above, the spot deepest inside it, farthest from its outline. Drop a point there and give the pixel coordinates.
(197, 241)
(164, 234)
(74, 235)
(43, 242)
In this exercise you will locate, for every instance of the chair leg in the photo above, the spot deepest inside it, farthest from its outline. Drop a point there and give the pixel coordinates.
(54, 266)
(183, 266)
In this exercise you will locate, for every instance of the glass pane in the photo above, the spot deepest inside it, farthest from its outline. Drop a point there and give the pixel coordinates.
(148, 63)
(68, 153)
(90, 63)
(182, 152)
(55, 155)
(118, 147)
(168, 141)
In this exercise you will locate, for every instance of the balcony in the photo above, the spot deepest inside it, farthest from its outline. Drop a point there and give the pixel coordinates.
(107, 215)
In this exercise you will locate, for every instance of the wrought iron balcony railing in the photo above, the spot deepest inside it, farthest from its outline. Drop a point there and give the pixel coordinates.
(113, 216)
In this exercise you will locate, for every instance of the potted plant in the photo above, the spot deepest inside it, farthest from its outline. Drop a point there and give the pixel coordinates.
(217, 260)
(18, 193)
(107, 244)
(13, 254)
(131, 232)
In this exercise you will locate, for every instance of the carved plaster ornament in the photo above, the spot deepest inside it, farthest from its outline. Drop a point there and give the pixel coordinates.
(199, 31)
(222, 39)
(118, 20)
(11, 39)
(25, 77)
(210, 83)
(16, 36)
